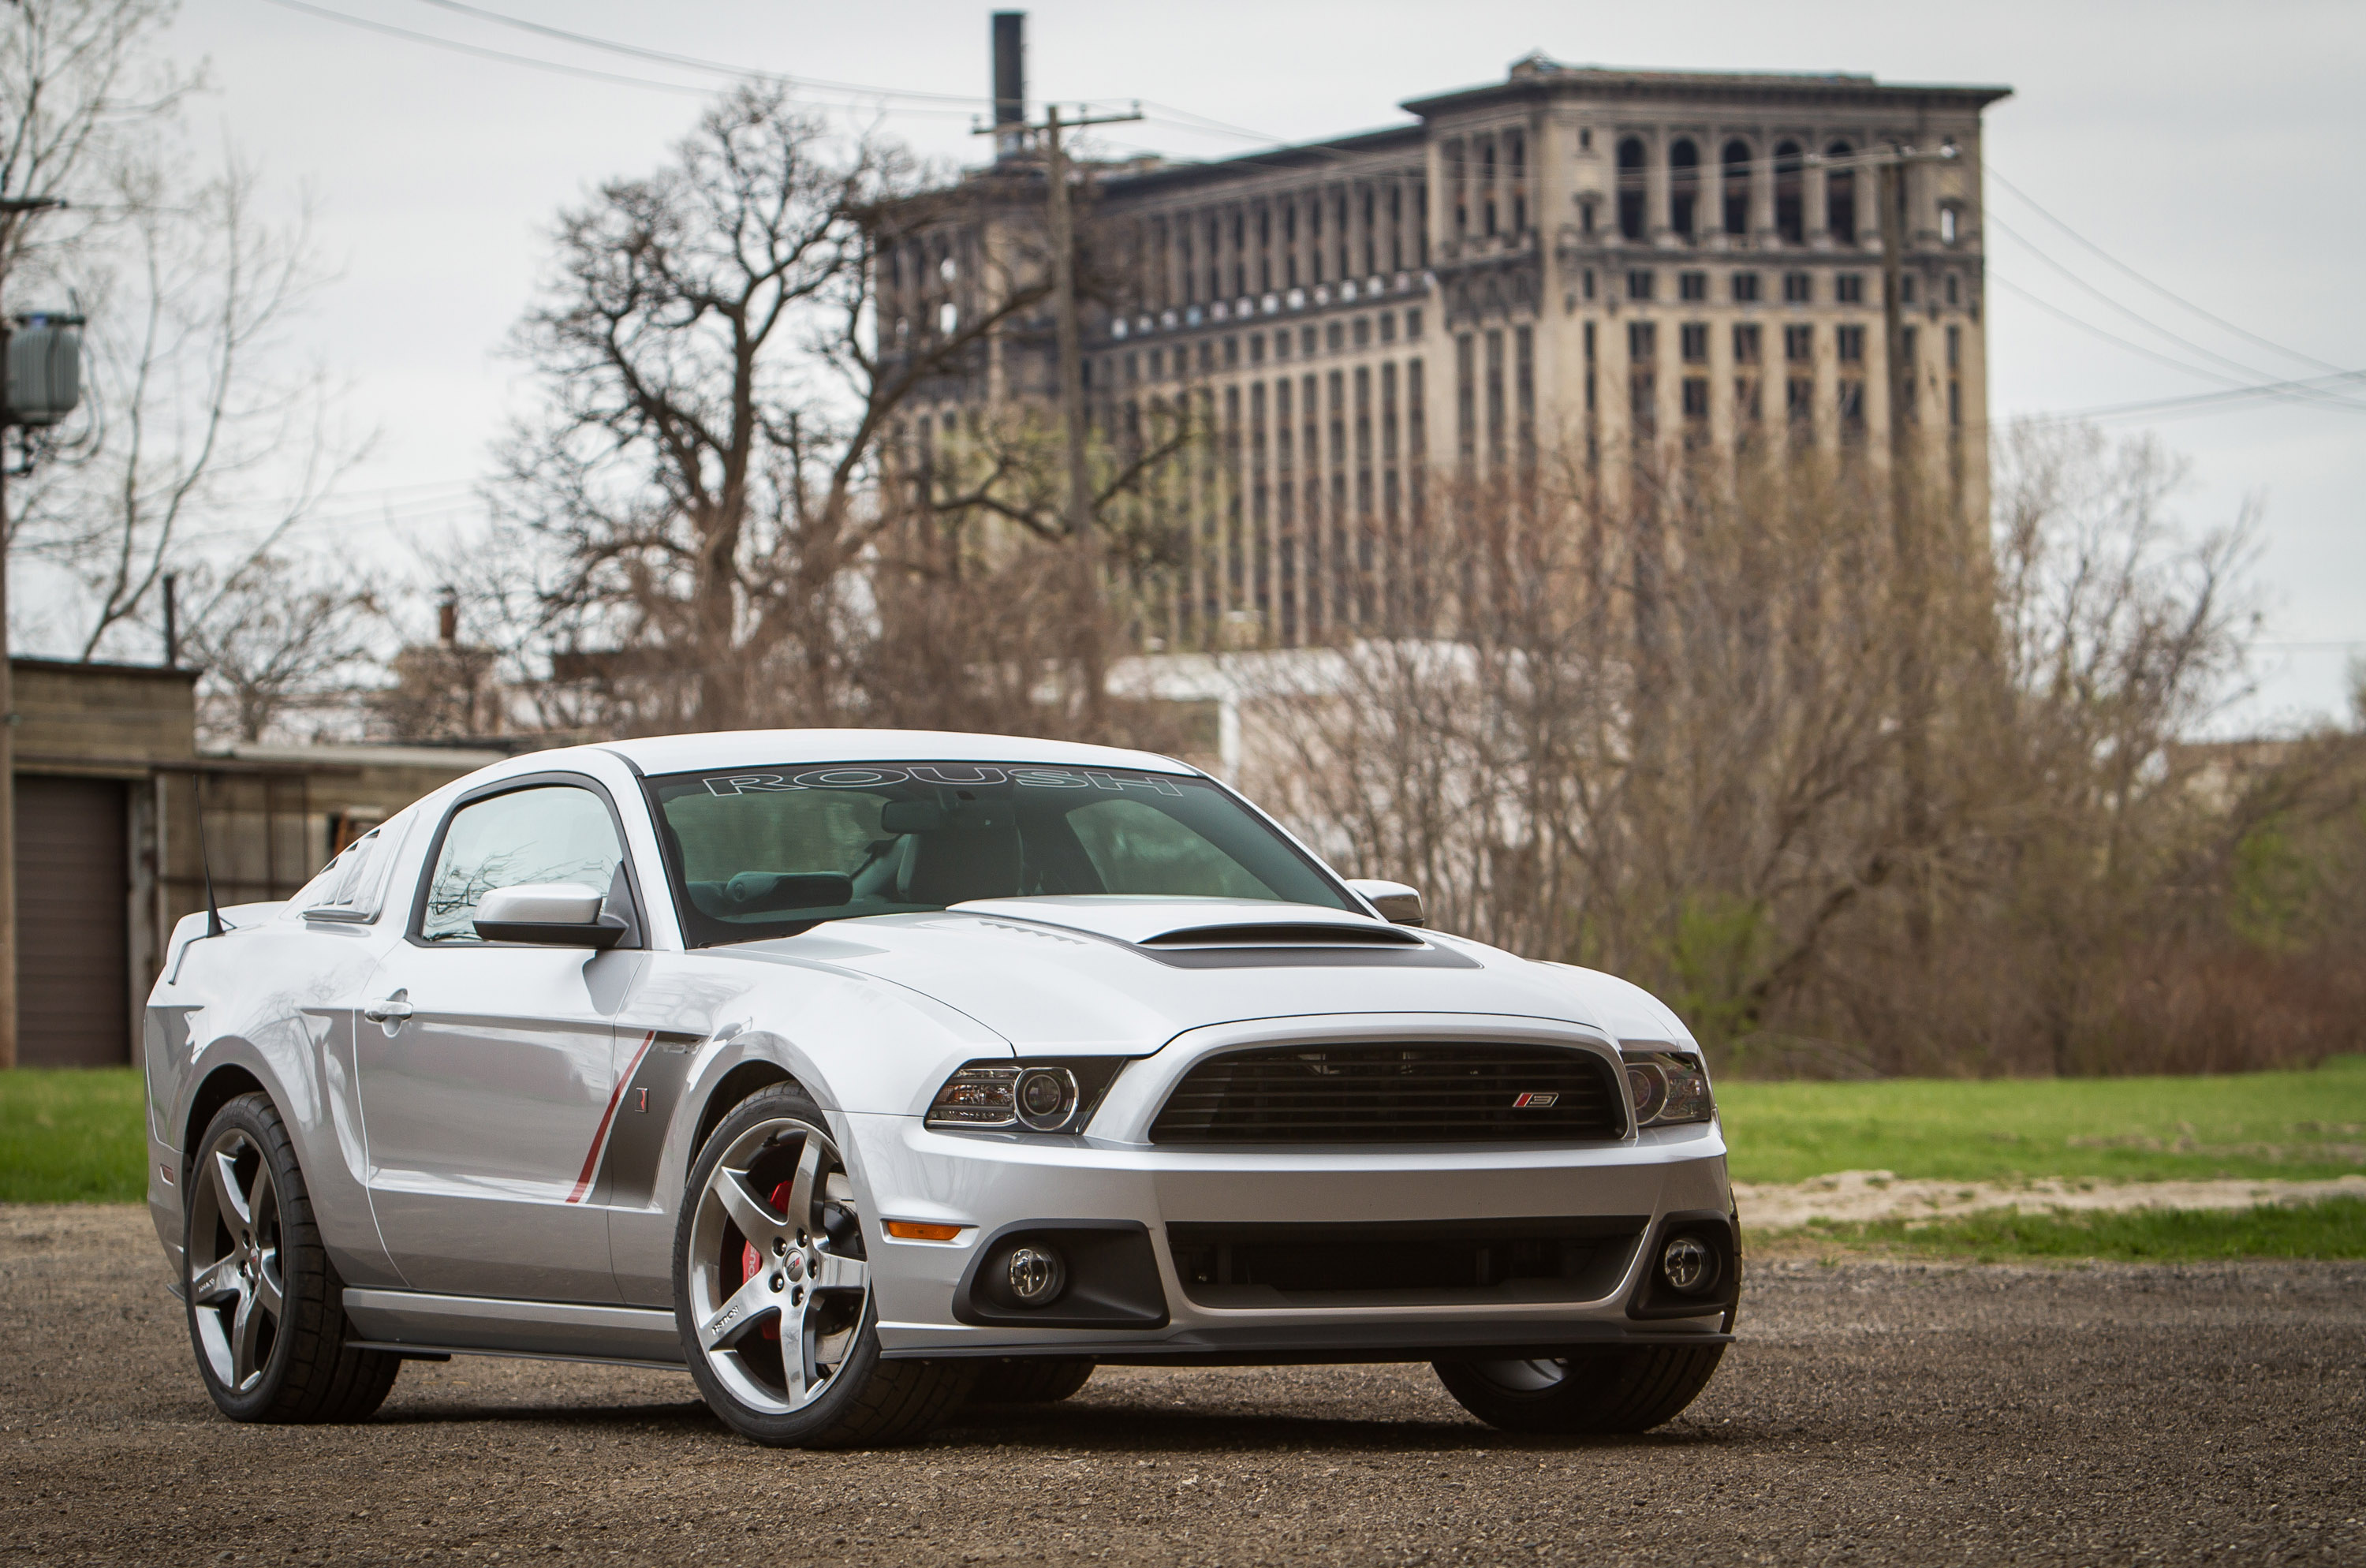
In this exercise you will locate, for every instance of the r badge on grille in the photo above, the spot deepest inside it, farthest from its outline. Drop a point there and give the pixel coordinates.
(1534, 1100)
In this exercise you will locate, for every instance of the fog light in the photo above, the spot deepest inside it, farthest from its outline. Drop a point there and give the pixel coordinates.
(1037, 1275)
(1690, 1267)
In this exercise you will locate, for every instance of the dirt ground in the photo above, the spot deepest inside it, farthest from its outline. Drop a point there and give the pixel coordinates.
(1879, 1195)
(1874, 1412)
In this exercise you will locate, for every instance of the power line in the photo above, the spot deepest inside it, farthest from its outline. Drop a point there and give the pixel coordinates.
(426, 512)
(483, 53)
(696, 62)
(560, 68)
(2085, 326)
(2198, 402)
(2174, 299)
(2134, 315)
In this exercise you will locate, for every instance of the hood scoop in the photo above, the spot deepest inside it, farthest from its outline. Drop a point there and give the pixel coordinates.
(1185, 925)
(1303, 933)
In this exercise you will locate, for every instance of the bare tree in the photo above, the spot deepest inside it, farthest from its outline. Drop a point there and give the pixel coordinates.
(1688, 768)
(278, 638)
(705, 462)
(81, 92)
(191, 406)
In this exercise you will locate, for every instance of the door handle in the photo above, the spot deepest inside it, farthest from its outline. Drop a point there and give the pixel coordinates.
(391, 1012)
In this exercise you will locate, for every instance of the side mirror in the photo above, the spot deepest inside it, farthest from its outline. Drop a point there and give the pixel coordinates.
(1397, 903)
(554, 914)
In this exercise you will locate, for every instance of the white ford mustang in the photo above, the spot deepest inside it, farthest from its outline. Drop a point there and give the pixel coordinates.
(863, 1073)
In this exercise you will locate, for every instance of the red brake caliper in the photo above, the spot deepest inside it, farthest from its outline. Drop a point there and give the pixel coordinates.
(750, 1260)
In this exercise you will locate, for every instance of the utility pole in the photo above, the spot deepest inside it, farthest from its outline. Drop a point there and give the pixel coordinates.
(1913, 565)
(7, 747)
(1069, 342)
(11, 209)
(1907, 536)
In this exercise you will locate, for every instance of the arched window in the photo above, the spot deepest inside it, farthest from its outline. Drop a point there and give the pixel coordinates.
(1487, 186)
(1456, 177)
(1790, 195)
(1684, 188)
(1737, 188)
(1630, 188)
(1839, 197)
(1517, 154)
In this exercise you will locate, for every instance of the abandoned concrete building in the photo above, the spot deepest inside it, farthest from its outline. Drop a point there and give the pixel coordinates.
(1572, 265)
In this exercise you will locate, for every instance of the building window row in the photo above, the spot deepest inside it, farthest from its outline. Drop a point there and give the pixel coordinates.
(1230, 352)
(1487, 183)
(1745, 286)
(1691, 196)
(1366, 228)
(1315, 517)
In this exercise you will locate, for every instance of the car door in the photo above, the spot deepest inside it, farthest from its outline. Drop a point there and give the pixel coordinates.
(489, 1070)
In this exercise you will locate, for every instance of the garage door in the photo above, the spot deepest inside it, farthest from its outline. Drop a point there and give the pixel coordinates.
(73, 952)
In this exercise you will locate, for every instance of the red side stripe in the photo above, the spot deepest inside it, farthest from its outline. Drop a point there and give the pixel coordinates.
(600, 1138)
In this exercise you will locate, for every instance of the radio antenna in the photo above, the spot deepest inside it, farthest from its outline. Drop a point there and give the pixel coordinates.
(205, 860)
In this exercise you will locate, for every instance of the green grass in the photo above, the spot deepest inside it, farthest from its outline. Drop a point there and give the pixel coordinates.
(75, 1135)
(2334, 1228)
(2295, 1125)
(72, 1135)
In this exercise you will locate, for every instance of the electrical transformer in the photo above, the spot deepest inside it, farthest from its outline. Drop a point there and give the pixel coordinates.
(44, 368)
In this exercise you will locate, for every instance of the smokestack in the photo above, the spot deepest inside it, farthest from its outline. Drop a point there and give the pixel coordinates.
(447, 617)
(1009, 84)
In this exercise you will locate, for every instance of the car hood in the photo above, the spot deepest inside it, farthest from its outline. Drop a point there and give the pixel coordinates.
(1121, 976)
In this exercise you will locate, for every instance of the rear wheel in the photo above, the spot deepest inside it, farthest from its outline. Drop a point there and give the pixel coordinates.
(1628, 1389)
(265, 1308)
(772, 1290)
(1029, 1382)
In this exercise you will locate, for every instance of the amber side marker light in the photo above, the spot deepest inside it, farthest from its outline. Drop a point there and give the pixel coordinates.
(914, 1230)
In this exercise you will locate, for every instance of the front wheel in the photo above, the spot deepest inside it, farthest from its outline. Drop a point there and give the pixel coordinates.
(1627, 1389)
(772, 1290)
(266, 1309)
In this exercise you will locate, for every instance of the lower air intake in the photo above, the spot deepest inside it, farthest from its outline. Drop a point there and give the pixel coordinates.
(1394, 1094)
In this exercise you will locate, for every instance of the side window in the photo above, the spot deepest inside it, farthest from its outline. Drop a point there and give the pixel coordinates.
(1137, 848)
(547, 833)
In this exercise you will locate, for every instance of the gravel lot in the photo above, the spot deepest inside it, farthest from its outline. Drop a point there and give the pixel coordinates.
(1875, 1412)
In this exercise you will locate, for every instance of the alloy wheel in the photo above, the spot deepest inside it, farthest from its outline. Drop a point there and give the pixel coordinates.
(235, 1286)
(778, 1281)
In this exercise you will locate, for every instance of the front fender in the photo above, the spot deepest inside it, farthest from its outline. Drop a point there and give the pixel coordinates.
(216, 1013)
(853, 1042)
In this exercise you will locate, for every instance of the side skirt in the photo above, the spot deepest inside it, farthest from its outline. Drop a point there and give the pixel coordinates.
(414, 1320)
(445, 1352)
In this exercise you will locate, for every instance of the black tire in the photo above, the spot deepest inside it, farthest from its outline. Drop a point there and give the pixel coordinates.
(296, 1365)
(1629, 1388)
(864, 1401)
(1029, 1382)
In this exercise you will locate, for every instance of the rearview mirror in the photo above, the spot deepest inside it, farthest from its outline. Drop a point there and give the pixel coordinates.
(911, 817)
(1397, 903)
(553, 914)
(756, 892)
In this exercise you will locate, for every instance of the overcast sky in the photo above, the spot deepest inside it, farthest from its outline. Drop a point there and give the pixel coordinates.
(2213, 148)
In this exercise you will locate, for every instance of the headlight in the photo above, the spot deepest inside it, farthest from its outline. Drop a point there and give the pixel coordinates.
(1669, 1087)
(1028, 1096)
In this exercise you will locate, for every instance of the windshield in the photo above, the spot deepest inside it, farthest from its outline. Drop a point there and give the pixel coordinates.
(769, 851)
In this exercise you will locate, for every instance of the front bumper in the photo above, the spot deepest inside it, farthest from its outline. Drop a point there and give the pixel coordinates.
(990, 1183)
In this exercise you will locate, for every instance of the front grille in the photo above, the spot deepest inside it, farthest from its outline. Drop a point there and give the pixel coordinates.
(1392, 1094)
(1438, 1262)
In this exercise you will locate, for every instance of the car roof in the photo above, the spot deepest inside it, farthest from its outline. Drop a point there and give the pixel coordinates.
(773, 748)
